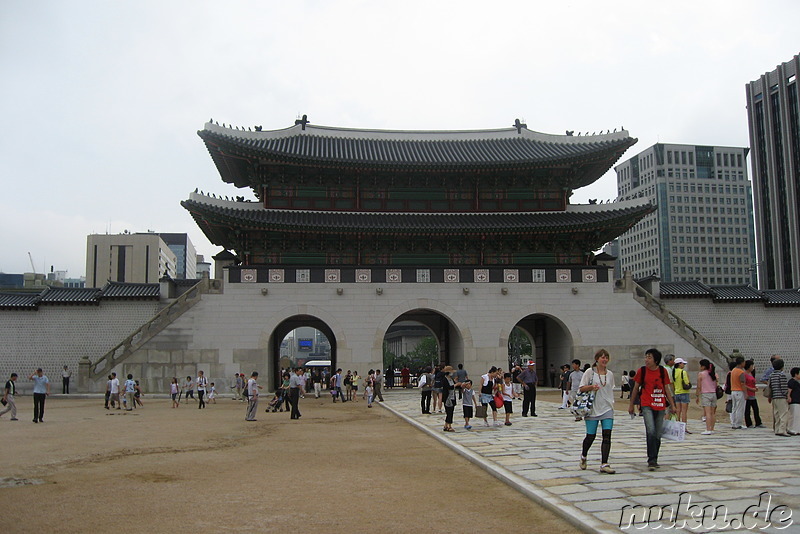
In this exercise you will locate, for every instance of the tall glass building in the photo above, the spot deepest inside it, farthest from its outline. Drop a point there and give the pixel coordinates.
(703, 227)
(772, 111)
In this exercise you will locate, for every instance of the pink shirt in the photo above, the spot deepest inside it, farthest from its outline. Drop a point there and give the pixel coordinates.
(705, 384)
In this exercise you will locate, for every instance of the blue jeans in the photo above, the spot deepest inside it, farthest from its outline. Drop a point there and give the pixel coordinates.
(653, 425)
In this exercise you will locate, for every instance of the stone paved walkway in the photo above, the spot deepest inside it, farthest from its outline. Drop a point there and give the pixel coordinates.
(539, 456)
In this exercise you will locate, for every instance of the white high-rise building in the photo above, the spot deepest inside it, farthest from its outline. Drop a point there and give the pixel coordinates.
(703, 227)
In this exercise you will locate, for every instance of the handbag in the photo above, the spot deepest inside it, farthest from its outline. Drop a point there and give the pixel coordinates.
(583, 404)
(480, 412)
(720, 392)
(498, 401)
(673, 429)
(729, 406)
(768, 391)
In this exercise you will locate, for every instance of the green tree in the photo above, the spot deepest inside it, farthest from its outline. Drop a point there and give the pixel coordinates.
(519, 347)
(425, 353)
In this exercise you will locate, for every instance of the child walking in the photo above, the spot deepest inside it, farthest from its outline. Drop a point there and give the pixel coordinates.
(509, 395)
(368, 392)
(468, 402)
(174, 390)
(212, 394)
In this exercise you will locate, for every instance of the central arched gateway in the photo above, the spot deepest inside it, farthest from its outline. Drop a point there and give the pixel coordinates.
(551, 343)
(286, 326)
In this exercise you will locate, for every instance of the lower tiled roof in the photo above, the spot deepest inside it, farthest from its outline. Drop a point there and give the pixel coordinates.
(19, 300)
(72, 295)
(118, 290)
(737, 293)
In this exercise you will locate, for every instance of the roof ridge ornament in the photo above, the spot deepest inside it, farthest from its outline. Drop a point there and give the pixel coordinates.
(302, 122)
(517, 124)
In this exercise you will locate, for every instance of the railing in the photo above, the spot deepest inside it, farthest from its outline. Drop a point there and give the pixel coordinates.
(671, 319)
(147, 331)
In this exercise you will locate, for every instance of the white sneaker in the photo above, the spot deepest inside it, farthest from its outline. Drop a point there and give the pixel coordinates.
(707, 432)
(496, 423)
(704, 418)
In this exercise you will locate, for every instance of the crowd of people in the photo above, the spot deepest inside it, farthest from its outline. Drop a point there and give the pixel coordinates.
(659, 389)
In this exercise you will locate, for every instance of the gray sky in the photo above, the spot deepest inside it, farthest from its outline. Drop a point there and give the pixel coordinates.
(101, 101)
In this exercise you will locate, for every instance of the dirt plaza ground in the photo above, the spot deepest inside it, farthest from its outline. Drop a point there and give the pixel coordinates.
(341, 468)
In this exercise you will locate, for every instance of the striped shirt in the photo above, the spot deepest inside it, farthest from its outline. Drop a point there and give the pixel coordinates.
(779, 385)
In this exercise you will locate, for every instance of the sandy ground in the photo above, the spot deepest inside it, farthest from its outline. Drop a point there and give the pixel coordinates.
(341, 468)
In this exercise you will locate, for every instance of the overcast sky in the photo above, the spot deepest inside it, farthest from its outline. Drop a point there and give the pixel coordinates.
(101, 100)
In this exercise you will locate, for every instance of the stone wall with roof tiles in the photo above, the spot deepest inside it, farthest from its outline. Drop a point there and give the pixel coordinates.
(751, 328)
(55, 336)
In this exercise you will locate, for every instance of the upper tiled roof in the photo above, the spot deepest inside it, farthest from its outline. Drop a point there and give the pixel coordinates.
(19, 300)
(117, 290)
(70, 295)
(737, 293)
(250, 216)
(782, 297)
(695, 288)
(412, 150)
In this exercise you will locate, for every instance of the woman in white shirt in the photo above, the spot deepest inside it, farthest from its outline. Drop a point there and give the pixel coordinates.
(601, 381)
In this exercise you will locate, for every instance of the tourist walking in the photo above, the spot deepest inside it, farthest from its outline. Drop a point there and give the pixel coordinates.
(750, 398)
(201, 382)
(626, 385)
(601, 382)
(129, 389)
(295, 388)
(794, 402)
(425, 382)
(174, 391)
(507, 390)
(448, 398)
(252, 397)
(564, 386)
(737, 376)
(528, 380)
(780, 398)
(706, 394)
(575, 377)
(9, 391)
(238, 385)
(41, 390)
(354, 380)
(438, 378)
(378, 384)
(468, 402)
(651, 388)
(114, 388)
(108, 391)
(681, 387)
(66, 374)
(487, 394)
(461, 377)
(188, 389)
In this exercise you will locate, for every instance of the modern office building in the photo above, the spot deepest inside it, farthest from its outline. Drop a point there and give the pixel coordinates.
(772, 112)
(703, 227)
(184, 252)
(138, 258)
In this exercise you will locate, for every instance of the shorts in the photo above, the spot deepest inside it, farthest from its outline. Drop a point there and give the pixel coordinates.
(174, 396)
(681, 398)
(605, 424)
(708, 399)
(437, 390)
(468, 412)
(355, 388)
(488, 400)
(508, 406)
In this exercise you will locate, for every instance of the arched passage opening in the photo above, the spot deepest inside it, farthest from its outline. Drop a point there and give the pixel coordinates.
(305, 340)
(544, 339)
(417, 339)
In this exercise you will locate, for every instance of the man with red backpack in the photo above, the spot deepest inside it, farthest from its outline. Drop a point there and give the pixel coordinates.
(651, 383)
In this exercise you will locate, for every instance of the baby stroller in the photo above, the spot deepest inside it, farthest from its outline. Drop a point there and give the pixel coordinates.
(276, 404)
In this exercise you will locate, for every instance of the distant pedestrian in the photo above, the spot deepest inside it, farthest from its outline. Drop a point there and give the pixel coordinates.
(295, 389)
(212, 394)
(448, 398)
(174, 391)
(425, 383)
(626, 386)
(575, 377)
(114, 389)
(750, 398)
(41, 390)
(680, 387)
(564, 387)
(794, 402)
(468, 402)
(780, 398)
(528, 379)
(9, 391)
(461, 377)
(188, 389)
(316, 378)
(507, 390)
(369, 391)
(378, 385)
(202, 383)
(252, 397)
(137, 395)
(108, 390)
(438, 388)
(553, 375)
(130, 390)
(706, 394)
(354, 380)
(737, 376)
(239, 386)
(66, 374)
(487, 394)
(651, 386)
(601, 382)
